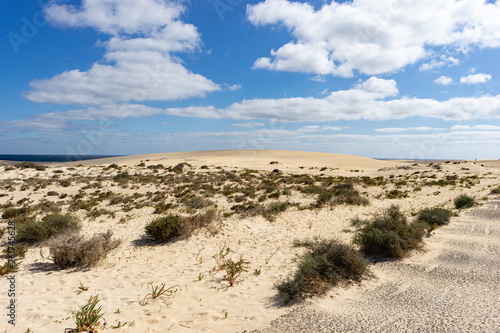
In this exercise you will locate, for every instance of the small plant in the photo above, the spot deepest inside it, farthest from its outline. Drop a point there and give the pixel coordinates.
(222, 252)
(199, 258)
(201, 276)
(163, 228)
(234, 269)
(8, 268)
(16, 251)
(160, 290)
(87, 319)
(120, 324)
(257, 272)
(495, 190)
(463, 201)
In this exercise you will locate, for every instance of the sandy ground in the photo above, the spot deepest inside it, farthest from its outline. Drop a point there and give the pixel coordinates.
(450, 287)
(454, 287)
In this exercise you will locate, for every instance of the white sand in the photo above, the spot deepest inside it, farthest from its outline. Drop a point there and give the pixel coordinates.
(47, 298)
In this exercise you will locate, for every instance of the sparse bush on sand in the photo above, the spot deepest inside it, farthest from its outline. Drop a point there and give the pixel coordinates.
(189, 224)
(76, 251)
(327, 264)
(274, 208)
(55, 224)
(164, 228)
(389, 234)
(463, 201)
(434, 216)
(495, 190)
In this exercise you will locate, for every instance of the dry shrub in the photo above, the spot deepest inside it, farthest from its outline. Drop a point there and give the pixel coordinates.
(76, 251)
(189, 224)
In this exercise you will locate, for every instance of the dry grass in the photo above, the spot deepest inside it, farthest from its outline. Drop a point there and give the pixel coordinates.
(76, 251)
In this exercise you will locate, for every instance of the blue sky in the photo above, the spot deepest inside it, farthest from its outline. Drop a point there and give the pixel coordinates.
(383, 79)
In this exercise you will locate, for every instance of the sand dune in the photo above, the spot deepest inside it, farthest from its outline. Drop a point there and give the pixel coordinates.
(48, 297)
(289, 161)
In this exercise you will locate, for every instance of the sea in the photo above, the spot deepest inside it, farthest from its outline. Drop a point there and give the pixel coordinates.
(52, 158)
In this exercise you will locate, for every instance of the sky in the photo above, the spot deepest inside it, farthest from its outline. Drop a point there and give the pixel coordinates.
(383, 79)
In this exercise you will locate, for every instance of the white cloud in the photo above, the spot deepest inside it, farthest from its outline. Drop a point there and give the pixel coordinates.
(233, 87)
(475, 78)
(461, 128)
(443, 80)
(369, 100)
(318, 78)
(374, 37)
(475, 128)
(405, 129)
(249, 125)
(138, 64)
(443, 61)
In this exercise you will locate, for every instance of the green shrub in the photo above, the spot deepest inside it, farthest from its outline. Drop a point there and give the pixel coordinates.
(327, 264)
(431, 216)
(51, 225)
(463, 201)
(389, 234)
(273, 209)
(76, 251)
(16, 251)
(163, 228)
(15, 212)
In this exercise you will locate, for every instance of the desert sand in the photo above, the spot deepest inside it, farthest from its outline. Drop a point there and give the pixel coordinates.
(449, 286)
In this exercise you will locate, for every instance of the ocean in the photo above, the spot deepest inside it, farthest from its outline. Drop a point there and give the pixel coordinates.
(52, 158)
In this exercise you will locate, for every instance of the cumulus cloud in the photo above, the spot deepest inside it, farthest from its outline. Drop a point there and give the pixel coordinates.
(406, 129)
(443, 80)
(374, 37)
(475, 78)
(372, 100)
(443, 60)
(248, 125)
(475, 128)
(138, 64)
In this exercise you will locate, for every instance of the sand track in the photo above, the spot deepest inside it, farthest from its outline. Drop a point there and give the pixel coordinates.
(453, 287)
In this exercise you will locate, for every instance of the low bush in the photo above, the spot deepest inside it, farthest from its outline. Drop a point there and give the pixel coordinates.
(16, 251)
(463, 201)
(164, 228)
(15, 212)
(432, 216)
(188, 225)
(76, 251)
(495, 190)
(388, 234)
(51, 225)
(325, 265)
(274, 208)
